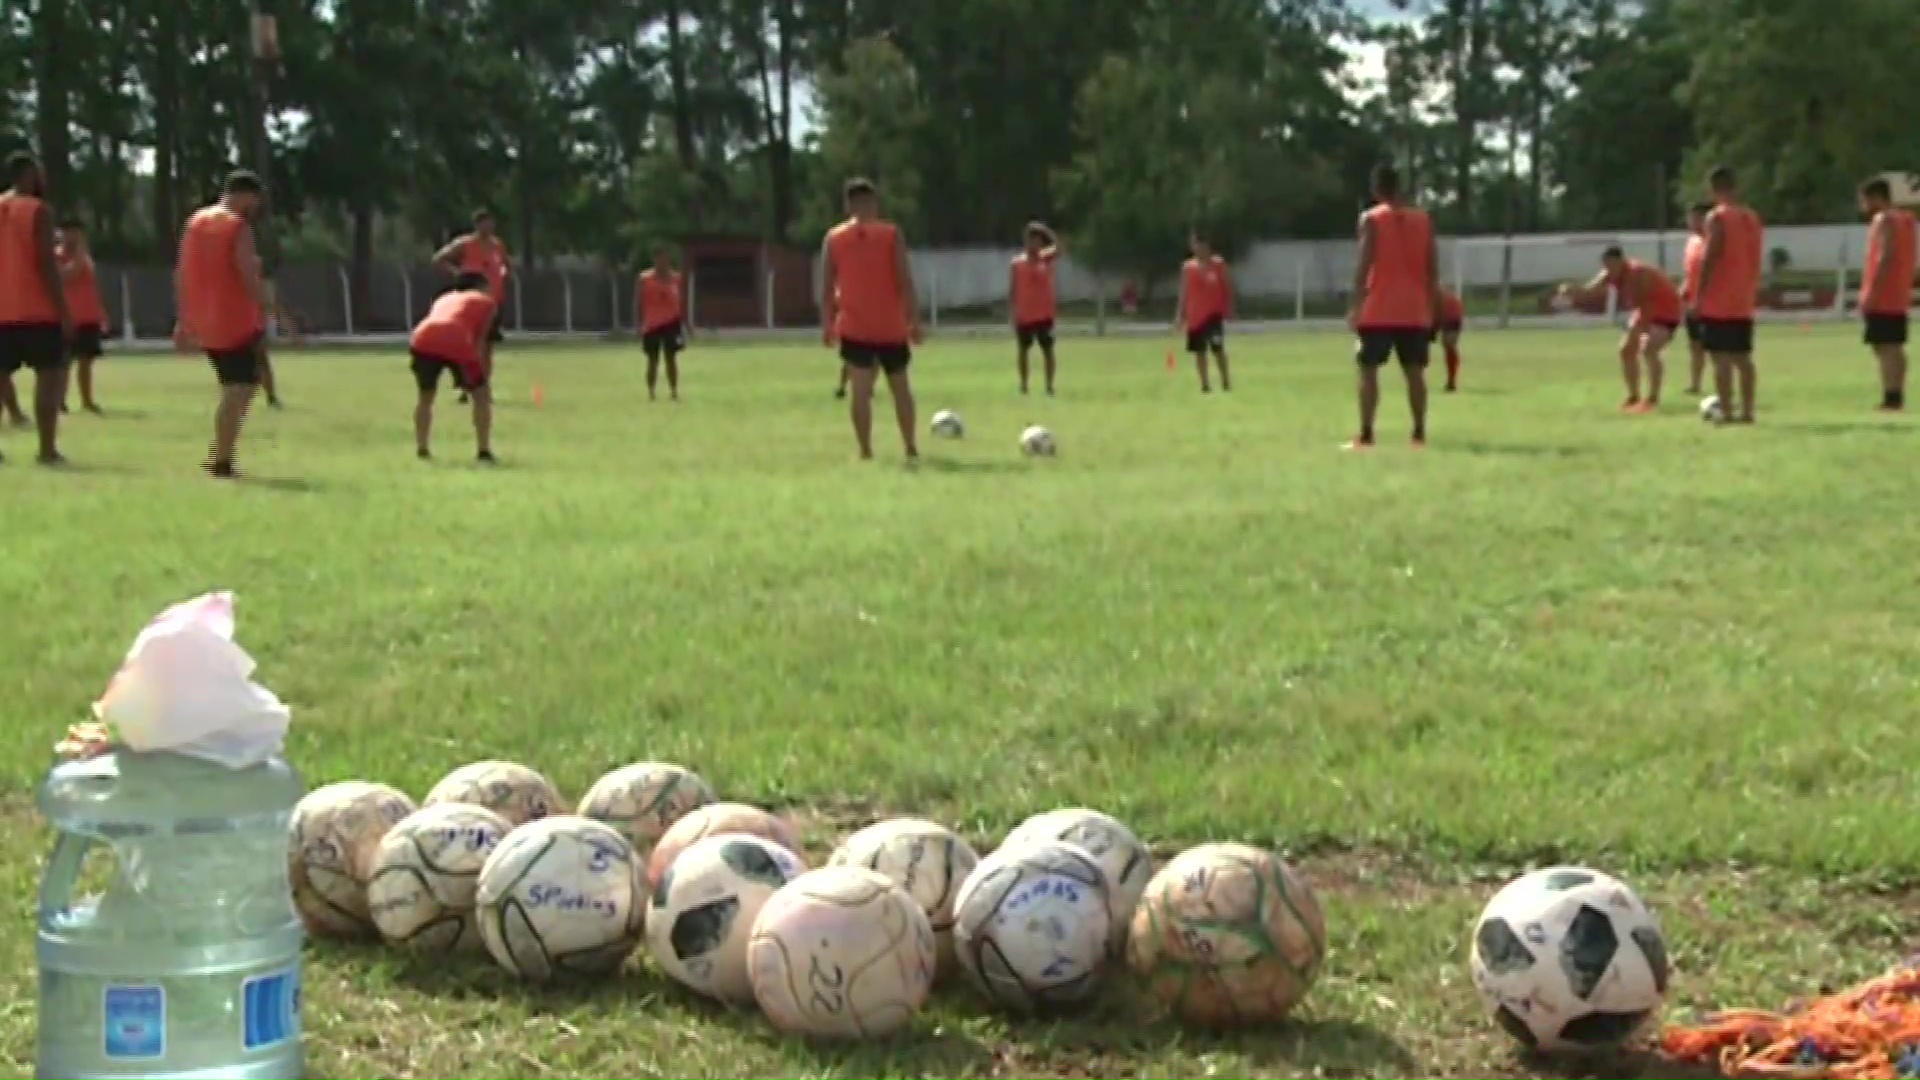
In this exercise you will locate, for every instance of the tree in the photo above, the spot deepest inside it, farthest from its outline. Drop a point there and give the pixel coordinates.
(1620, 132)
(869, 117)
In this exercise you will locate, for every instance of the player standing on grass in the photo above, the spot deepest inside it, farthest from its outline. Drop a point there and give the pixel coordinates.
(453, 339)
(1030, 300)
(867, 308)
(660, 300)
(1396, 295)
(34, 320)
(1696, 254)
(84, 346)
(222, 307)
(1886, 288)
(482, 252)
(1657, 313)
(1205, 304)
(1729, 292)
(1450, 320)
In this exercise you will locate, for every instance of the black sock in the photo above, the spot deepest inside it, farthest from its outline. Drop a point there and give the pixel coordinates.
(1895, 399)
(1366, 434)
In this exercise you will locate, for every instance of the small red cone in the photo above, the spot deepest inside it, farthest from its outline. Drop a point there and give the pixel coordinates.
(1171, 363)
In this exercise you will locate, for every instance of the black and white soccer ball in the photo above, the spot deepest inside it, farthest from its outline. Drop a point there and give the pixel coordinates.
(1032, 926)
(1710, 409)
(1569, 959)
(561, 896)
(948, 425)
(702, 911)
(1037, 441)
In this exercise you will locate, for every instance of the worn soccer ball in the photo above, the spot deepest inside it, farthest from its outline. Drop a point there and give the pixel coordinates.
(1227, 934)
(703, 909)
(715, 819)
(947, 424)
(330, 850)
(841, 953)
(1569, 959)
(1037, 441)
(1032, 925)
(1127, 862)
(513, 791)
(642, 801)
(1710, 409)
(426, 872)
(561, 896)
(928, 861)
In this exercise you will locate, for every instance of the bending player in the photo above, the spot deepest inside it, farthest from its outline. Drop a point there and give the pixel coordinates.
(1696, 254)
(1205, 304)
(1396, 295)
(661, 303)
(867, 308)
(482, 252)
(85, 345)
(452, 339)
(222, 299)
(1451, 320)
(1886, 288)
(1657, 314)
(1729, 290)
(34, 320)
(1030, 300)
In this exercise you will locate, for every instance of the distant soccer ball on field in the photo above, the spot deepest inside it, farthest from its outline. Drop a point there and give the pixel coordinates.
(702, 911)
(562, 895)
(1227, 935)
(513, 791)
(1127, 862)
(1710, 410)
(947, 425)
(331, 842)
(716, 819)
(642, 801)
(1569, 959)
(928, 861)
(1032, 924)
(1037, 441)
(841, 953)
(426, 873)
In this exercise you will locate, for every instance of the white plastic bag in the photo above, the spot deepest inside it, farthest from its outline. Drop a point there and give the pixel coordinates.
(187, 688)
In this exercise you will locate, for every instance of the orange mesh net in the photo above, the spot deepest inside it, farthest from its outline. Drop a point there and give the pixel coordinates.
(1871, 1032)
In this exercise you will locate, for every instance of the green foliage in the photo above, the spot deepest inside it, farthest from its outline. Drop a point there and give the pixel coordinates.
(870, 115)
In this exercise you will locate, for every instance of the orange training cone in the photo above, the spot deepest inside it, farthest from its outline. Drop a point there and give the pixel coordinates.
(1171, 364)
(539, 396)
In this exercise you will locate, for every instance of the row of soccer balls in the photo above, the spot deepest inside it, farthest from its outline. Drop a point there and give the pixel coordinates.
(1035, 441)
(721, 894)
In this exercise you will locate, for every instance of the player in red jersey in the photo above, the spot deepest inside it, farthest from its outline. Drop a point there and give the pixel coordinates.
(34, 321)
(1447, 325)
(1396, 297)
(1657, 314)
(83, 300)
(660, 304)
(452, 340)
(1030, 300)
(482, 252)
(1886, 288)
(1205, 304)
(869, 311)
(1696, 255)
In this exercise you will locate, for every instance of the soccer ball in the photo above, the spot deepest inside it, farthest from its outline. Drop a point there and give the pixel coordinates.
(926, 860)
(515, 792)
(841, 953)
(703, 910)
(1228, 934)
(425, 874)
(562, 895)
(1125, 860)
(1037, 441)
(1032, 924)
(947, 425)
(643, 801)
(713, 820)
(330, 849)
(1710, 409)
(1569, 959)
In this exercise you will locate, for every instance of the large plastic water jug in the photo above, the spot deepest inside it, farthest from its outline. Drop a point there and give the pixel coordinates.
(188, 964)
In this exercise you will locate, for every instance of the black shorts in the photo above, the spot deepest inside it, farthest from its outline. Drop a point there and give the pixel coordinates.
(31, 345)
(892, 359)
(1029, 333)
(493, 330)
(1886, 329)
(86, 343)
(669, 339)
(239, 366)
(1734, 336)
(427, 370)
(1695, 335)
(1443, 328)
(1377, 343)
(1211, 334)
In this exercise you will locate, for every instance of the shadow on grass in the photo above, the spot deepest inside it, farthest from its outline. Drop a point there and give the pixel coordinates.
(1848, 427)
(286, 485)
(1624, 1065)
(89, 468)
(949, 465)
(1527, 450)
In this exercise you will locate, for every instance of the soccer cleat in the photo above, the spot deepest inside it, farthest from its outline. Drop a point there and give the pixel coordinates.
(485, 457)
(53, 460)
(223, 470)
(1630, 405)
(1357, 444)
(423, 453)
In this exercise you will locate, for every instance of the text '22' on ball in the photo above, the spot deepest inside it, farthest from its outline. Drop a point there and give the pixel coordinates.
(841, 953)
(563, 895)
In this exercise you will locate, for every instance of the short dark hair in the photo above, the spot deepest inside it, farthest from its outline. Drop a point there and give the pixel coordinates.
(243, 182)
(1701, 208)
(1721, 178)
(860, 187)
(19, 164)
(482, 214)
(72, 223)
(1038, 230)
(1386, 179)
(468, 282)
(1614, 251)
(1197, 235)
(1877, 188)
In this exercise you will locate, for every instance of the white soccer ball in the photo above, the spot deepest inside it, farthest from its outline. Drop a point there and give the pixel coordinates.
(717, 819)
(1032, 926)
(1037, 441)
(1710, 409)
(513, 791)
(425, 875)
(642, 801)
(1569, 959)
(331, 843)
(841, 953)
(947, 425)
(562, 895)
(702, 911)
(1122, 857)
(928, 861)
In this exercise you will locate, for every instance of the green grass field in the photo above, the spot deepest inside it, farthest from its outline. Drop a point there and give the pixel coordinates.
(1679, 654)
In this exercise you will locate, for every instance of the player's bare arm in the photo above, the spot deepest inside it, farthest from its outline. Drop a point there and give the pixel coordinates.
(1052, 250)
(909, 297)
(1883, 283)
(1362, 270)
(246, 255)
(50, 265)
(449, 256)
(1710, 261)
(1433, 276)
(829, 290)
(1013, 295)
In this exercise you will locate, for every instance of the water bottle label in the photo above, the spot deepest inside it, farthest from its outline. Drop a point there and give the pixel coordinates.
(270, 1009)
(134, 1023)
